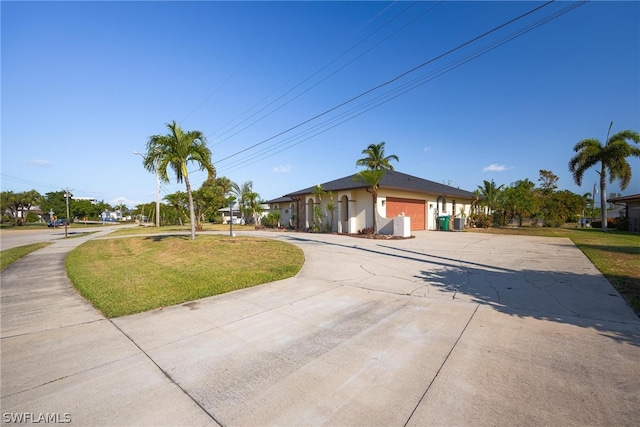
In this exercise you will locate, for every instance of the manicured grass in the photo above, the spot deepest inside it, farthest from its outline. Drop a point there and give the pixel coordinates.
(133, 274)
(616, 254)
(9, 256)
(177, 228)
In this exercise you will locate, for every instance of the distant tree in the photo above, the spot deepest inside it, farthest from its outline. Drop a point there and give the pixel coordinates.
(548, 180)
(55, 201)
(375, 159)
(612, 158)
(179, 206)
(210, 197)
(252, 204)
(519, 200)
(490, 192)
(241, 192)
(176, 150)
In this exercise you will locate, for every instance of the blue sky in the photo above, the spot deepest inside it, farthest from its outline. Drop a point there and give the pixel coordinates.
(84, 84)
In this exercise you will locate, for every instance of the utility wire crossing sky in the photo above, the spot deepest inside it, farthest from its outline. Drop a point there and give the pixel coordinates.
(289, 93)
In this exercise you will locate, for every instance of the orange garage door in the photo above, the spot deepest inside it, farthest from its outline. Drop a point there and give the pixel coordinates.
(414, 209)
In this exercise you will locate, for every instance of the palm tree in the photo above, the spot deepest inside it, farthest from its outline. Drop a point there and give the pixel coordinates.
(375, 158)
(612, 157)
(241, 192)
(372, 178)
(176, 150)
(490, 193)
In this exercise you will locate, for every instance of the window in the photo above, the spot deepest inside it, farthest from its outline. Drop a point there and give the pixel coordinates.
(444, 205)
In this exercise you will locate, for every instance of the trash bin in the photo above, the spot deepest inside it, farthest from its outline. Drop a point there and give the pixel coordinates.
(443, 223)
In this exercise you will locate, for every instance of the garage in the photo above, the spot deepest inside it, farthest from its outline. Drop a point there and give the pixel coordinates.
(413, 208)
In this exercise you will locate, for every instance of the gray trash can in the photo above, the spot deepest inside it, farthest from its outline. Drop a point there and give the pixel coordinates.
(458, 223)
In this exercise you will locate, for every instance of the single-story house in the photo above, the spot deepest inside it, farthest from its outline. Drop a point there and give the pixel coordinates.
(631, 209)
(235, 213)
(237, 218)
(349, 209)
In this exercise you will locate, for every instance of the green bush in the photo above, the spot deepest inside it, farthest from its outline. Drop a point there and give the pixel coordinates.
(272, 219)
(598, 223)
(481, 220)
(622, 224)
(553, 221)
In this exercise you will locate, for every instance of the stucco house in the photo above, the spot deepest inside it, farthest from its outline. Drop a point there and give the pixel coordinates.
(631, 209)
(399, 194)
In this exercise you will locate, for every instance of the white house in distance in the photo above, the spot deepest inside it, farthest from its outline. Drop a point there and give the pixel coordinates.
(631, 210)
(399, 194)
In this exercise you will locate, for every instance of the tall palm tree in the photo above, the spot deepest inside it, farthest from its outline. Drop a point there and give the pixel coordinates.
(375, 158)
(612, 157)
(175, 150)
(490, 193)
(372, 178)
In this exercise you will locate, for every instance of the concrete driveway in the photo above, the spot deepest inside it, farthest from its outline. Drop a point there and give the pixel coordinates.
(444, 329)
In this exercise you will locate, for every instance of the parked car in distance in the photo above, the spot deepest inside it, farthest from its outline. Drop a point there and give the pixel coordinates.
(58, 222)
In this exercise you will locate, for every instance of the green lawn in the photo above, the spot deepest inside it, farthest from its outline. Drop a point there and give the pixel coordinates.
(616, 254)
(129, 275)
(9, 256)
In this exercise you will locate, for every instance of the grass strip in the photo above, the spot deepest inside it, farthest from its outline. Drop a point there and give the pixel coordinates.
(134, 274)
(9, 256)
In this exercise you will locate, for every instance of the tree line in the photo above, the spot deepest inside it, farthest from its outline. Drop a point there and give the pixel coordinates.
(494, 205)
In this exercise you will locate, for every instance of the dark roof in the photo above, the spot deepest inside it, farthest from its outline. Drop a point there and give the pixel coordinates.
(284, 199)
(393, 180)
(629, 198)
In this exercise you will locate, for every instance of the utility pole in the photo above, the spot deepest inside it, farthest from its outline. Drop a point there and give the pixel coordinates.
(157, 193)
(66, 196)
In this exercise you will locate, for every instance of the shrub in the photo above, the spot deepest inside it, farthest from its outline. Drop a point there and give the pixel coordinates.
(598, 223)
(368, 230)
(622, 224)
(271, 220)
(553, 221)
(481, 220)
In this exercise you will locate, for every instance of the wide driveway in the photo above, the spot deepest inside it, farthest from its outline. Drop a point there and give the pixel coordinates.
(444, 329)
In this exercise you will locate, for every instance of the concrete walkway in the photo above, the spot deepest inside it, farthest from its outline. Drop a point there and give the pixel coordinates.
(443, 329)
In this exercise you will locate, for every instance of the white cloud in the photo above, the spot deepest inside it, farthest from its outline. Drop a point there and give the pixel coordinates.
(427, 149)
(494, 167)
(282, 169)
(39, 163)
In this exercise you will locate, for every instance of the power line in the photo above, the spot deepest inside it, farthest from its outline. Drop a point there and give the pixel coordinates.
(319, 71)
(388, 96)
(388, 82)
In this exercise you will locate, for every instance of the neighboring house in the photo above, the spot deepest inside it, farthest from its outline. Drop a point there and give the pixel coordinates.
(237, 219)
(111, 216)
(631, 209)
(235, 213)
(399, 194)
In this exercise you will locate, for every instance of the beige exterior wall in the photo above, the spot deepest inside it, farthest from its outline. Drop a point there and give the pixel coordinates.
(360, 209)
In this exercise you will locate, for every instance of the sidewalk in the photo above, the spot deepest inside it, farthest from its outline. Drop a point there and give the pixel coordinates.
(444, 329)
(62, 359)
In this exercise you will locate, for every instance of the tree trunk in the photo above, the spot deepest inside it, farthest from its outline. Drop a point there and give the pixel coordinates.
(192, 214)
(374, 196)
(603, 198)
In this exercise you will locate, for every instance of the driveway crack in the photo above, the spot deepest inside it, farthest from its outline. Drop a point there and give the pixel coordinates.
(455, 344)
